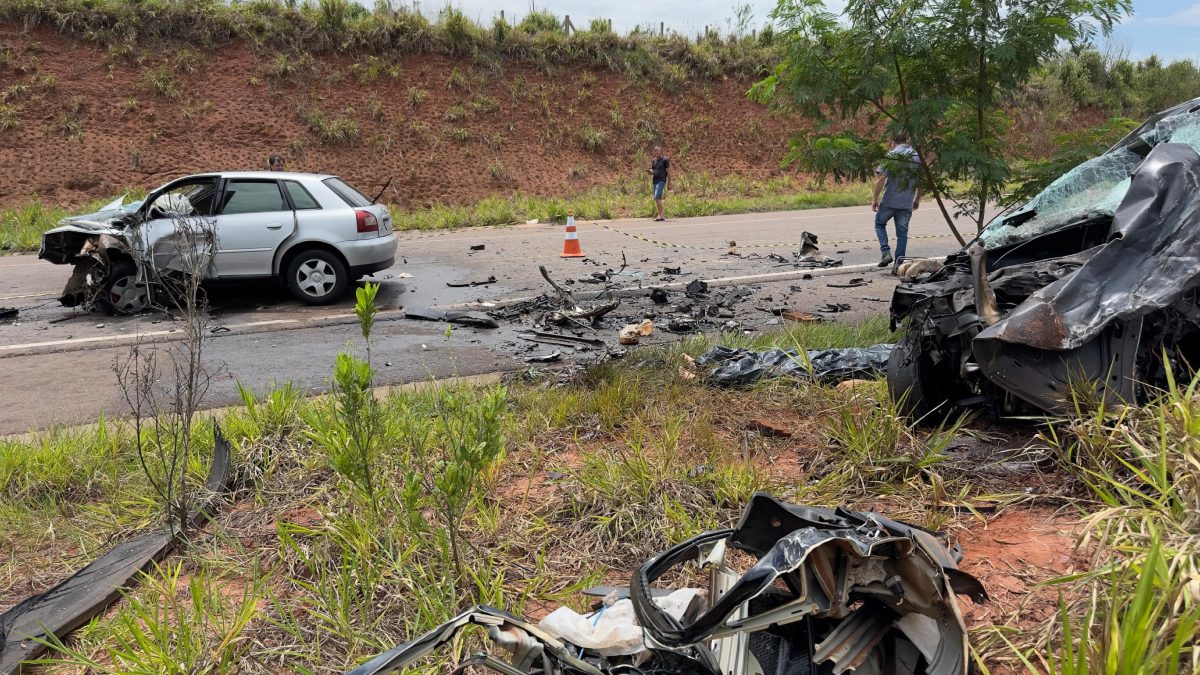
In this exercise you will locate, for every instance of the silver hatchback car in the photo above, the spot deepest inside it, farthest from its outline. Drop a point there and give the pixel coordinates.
(313, 231)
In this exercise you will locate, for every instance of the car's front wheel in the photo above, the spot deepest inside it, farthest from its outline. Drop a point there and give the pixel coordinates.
(317, 277)
(120, 293)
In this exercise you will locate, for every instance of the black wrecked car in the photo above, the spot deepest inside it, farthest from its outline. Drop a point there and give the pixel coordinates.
(1090, 289)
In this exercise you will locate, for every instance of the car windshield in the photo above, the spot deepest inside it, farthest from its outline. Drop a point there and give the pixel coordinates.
(1094, 188)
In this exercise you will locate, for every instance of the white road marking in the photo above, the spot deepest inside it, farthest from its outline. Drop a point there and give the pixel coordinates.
(44, 294)
(135, 336)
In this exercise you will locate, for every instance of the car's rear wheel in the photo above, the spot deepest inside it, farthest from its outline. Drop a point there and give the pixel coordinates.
(317, 277)
(120, 293)
(912, 379)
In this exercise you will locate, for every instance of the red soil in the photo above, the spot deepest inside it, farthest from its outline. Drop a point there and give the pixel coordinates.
(231, 114)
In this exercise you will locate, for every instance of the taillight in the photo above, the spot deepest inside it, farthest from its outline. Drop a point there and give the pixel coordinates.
(367, 222)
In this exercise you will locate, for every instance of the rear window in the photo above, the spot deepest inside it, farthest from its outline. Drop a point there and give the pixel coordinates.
(243, 196)
(348, 194)
(300, 197)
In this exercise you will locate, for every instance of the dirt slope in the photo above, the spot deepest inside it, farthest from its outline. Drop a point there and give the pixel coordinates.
(81, 121)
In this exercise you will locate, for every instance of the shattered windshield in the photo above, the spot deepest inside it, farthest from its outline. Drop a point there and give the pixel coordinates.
(1093, 188)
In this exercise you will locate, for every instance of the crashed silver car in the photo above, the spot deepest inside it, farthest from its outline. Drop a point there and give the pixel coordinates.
(1091, 289)
(314, 232)
(792, 590)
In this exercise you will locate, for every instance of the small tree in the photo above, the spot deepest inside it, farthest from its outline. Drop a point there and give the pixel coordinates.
(164, 404)
(938, 71)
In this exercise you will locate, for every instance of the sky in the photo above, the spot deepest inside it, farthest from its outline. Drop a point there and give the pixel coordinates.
(1166, 27)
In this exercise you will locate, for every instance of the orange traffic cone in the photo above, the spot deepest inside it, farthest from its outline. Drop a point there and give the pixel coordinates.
(571, 241)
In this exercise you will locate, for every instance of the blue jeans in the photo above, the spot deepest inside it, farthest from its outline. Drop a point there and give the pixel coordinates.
(658, 189)
(902, 216)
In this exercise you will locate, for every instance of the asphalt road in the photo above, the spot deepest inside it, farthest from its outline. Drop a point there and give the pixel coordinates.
(56, 364)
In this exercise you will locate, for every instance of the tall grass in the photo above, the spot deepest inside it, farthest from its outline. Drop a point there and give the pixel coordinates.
(348, 27)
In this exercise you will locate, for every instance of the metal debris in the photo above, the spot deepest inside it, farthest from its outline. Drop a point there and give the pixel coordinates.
(469, 284)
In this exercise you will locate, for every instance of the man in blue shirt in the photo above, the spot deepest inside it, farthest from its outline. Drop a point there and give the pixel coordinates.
(901, 196)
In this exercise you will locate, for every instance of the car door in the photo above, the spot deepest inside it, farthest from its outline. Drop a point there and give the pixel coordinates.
(254, 219)
(187, 203)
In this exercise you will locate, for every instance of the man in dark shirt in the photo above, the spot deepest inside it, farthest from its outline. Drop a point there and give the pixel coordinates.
(660, 178)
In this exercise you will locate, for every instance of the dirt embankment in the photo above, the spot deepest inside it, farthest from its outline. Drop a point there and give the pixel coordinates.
(82, 121)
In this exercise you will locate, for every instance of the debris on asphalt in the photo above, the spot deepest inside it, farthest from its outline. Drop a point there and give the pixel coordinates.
(575, 311)
(561, 340)
(632, 333)
(834, 307)
(471, 318)
(9, 312)
(672, 271)
(800, 317)
(478, 247)
(853, 283)
(739, 367)
(696, 288)
(469, 284)
(680, 324)
(828, 591)
(552, 357)
(658, 296)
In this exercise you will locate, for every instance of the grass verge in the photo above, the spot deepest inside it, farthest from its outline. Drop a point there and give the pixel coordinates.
(584, 479)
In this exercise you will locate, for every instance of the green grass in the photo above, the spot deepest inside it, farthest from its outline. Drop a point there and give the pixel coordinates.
(691, 195)
(587, 477)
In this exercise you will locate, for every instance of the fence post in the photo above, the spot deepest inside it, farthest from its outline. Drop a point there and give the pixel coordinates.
(567, 25)
(502, 17)
(661, 29)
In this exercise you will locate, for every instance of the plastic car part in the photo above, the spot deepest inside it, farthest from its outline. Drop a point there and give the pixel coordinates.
(74, 601)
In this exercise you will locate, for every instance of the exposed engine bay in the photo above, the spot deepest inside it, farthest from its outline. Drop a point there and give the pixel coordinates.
(1090, 291)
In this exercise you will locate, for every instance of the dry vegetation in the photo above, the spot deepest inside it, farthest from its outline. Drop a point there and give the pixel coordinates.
(520, 495)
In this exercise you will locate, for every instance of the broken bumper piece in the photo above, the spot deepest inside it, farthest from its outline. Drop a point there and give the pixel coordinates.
(829, 590)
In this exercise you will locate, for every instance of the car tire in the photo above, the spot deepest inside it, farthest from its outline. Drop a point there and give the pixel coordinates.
(316, 277)
(120, 293)
(911, 379)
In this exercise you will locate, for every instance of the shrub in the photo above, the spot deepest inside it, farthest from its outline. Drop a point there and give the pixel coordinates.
(416, 95)
(540, 21)
(592, 139)
(162, 82)
(9, 120)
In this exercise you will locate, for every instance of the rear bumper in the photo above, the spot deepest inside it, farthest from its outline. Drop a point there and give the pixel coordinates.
(369, 255)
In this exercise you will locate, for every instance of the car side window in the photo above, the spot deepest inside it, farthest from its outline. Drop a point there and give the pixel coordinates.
(253, 196)
(301, 199)
(187, 199)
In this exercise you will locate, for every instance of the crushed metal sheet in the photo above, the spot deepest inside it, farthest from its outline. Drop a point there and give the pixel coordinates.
(830, 590)
(471, 284)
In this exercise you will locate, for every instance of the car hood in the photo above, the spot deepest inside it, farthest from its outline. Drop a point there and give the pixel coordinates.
(103, 220)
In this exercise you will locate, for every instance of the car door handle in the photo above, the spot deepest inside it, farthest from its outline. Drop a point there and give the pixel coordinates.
(275, 226)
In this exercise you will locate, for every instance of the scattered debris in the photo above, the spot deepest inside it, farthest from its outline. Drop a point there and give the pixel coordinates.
(219, 329)
(658, 296)
(912, 270)
(672, 271)
(830, 590)
(562, 340)
(552, 357)
(474, 319)
(681, 324)
(800, 317)
(853, 283)
(478, 247)
(632, 333)
(575, 311)
(469, 284)
(834, 307)
(736, 367)
(696, 288)
(8, 312)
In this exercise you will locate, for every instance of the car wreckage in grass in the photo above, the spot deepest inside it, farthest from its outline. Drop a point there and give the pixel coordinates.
(822, 591)
(1091, 289)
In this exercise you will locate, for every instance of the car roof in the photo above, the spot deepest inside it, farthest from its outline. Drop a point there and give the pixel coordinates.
(265, 174)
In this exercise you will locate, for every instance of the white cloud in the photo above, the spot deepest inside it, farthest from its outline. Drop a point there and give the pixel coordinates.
(1188, 16)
